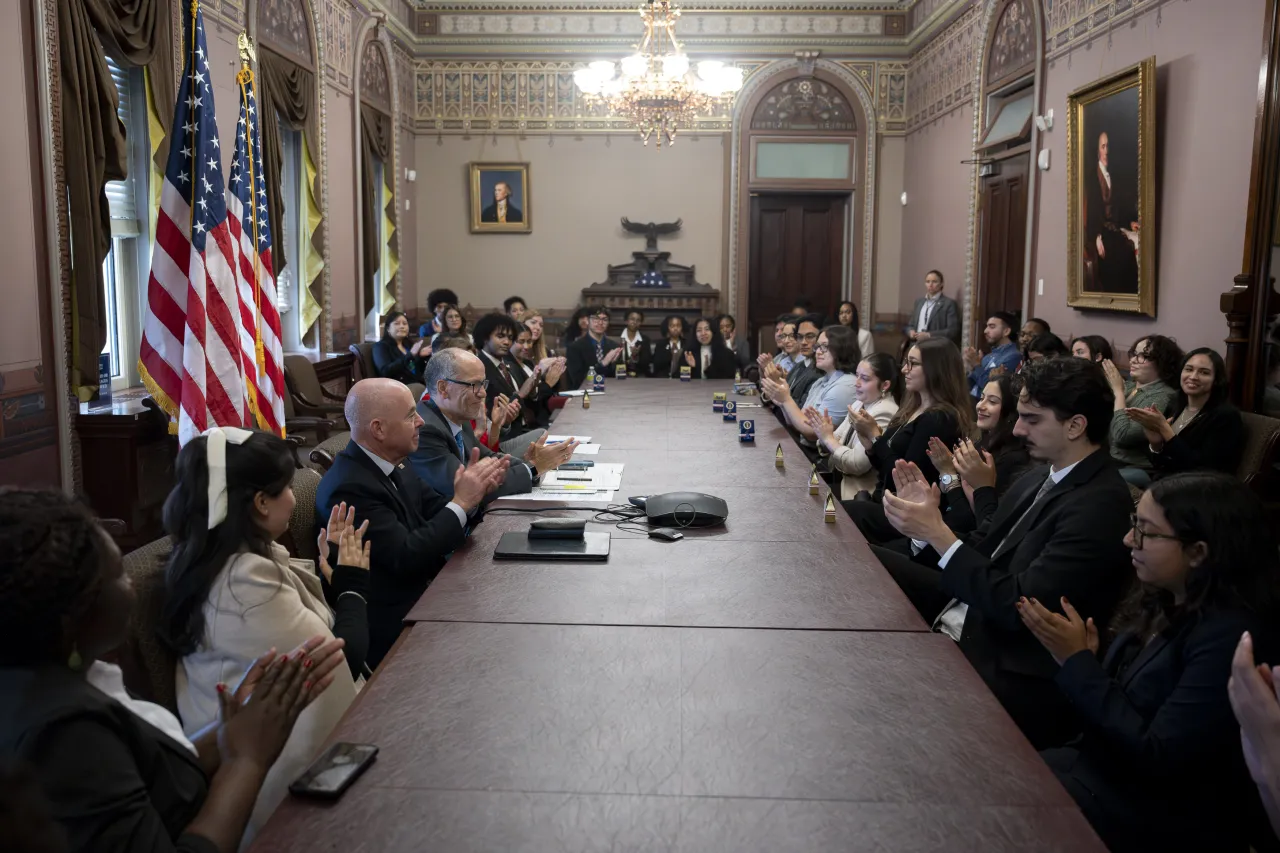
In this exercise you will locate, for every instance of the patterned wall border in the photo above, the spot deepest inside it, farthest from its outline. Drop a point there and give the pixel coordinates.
(940, 76)
(337, 19)
(1070, 23)
(860, 83)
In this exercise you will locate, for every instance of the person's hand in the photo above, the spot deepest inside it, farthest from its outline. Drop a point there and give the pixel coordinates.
(865, 425)
(498, 415)
(350, 552)
(416, 349)
(1256, 703)
(473, 481)
(909, 482)
(341, 517)
(913, 335)
(777, 390)
(688, 358)
(821, 424)
(917, 519)
(256, 731)
(437, 325)
(555, 370)
(1062, 636)
(773, 371)
(1114, 379)
(975, 466)
(1154, 426)
(923, 336)
(546, 457)
(940, 456)
(545, 364)
(971, 358)
(611, 356)
(513, 411)
(764, 360)
(998, 370)
(1102, 250)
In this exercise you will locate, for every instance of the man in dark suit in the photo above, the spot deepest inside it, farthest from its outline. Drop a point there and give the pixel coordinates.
(1109, 211)
(935, 314)
(592, 349)
(804, 371)
(412, 528)
(1059, 531)
(502, 210)
(455, 380)
(494, 333)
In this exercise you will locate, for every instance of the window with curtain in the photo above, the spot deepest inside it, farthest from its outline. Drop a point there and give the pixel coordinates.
(125, 269)
(289, 242)
(372, 332)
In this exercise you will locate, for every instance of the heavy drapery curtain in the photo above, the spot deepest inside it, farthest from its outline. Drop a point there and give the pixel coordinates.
(94, 144)
(376, 128)
(288, 90)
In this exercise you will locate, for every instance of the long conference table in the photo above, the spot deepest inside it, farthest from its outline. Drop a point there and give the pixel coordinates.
(760, 686)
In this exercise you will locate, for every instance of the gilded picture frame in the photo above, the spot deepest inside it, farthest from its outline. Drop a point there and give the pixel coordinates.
(1111, 192)
(501, 198)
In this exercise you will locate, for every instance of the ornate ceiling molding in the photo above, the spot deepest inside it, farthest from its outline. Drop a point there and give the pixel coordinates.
(697, 6)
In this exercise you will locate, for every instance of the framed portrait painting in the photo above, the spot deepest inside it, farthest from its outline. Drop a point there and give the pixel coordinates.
(501, 200)
(1111, 192)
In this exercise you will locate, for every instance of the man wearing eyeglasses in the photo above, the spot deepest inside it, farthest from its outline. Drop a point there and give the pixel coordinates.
(592, 349)
(1057, 533)
(412, 528)
(804, 372)
(455, 398)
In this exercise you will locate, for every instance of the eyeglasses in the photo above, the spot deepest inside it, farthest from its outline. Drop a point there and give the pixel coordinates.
(785, 336)
(475, 387)
(812, 336)
(1139, 535)
(1134, 355)
(822, 348)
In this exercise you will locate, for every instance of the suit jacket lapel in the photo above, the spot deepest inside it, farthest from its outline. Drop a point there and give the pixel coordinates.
(362, 459)
(1082, 473)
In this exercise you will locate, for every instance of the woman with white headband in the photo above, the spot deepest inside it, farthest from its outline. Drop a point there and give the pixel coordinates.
(233, 591)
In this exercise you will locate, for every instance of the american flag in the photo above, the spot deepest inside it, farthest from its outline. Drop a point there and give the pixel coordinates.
(190, 358)
(259, 319)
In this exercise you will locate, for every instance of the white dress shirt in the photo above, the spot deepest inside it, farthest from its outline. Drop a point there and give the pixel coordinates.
(386, 468)
(926, 311)
(951, 620)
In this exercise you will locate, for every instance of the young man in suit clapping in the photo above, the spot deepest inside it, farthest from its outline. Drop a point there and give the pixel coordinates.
(1058, 532)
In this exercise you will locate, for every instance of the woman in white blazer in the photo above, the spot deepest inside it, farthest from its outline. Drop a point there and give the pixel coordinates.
(232, 591)
(877, 386)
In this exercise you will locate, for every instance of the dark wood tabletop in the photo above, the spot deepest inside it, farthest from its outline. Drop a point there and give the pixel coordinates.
(762, 686)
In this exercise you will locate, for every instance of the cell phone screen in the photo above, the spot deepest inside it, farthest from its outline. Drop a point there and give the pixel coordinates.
(332, 771)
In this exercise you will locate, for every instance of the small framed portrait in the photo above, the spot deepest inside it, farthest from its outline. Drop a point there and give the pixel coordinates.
(1111, 192)
(501, 200)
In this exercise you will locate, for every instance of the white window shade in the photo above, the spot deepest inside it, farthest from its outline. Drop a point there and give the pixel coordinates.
(1011, 122)
(122, 195)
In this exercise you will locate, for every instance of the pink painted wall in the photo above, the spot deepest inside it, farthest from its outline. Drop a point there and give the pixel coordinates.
(1207, 72)
(935, 220)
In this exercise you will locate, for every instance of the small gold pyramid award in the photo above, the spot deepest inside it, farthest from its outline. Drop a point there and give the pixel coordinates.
(586, 401)
(777, 457)
(829, 509)
(814, 482)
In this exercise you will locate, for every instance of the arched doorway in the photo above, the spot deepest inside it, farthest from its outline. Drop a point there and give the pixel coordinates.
(1005, 139)
(800, 194)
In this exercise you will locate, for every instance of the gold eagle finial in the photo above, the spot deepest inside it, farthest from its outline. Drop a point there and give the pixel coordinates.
(245, 46)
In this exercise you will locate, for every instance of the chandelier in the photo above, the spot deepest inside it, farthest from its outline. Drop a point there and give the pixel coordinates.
(655, 88)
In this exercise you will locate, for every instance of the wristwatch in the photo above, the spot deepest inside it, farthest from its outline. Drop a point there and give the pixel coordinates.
(947, 482)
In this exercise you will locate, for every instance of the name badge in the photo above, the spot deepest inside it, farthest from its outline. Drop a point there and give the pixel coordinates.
(717, 401)
(730, 410)
(686, 373)
(747, 430)
(620, 372)
(598, 384)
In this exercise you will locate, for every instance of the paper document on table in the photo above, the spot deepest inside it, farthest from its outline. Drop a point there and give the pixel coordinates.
(578, 392)
(556, 439)
(601, 477)
(586, 450)
(584, 496)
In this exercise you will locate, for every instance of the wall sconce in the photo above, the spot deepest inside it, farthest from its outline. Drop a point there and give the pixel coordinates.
(1045, 122)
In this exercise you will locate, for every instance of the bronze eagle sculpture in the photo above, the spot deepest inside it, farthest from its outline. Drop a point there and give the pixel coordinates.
(651, 230)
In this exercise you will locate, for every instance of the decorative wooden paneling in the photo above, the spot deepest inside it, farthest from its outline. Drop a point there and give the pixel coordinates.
(284, 25)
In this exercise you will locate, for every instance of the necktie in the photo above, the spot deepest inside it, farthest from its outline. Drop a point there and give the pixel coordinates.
(506, 374)
(599, 350)
(462, 450)
(396, 478)
(1045, 488)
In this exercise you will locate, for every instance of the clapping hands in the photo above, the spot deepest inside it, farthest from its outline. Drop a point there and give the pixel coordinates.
(478, 478)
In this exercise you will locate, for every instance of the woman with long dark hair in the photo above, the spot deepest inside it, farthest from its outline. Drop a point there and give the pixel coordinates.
(394, 357)
(575, 328)
(1091, 348)
(1155, 365)
(975, 475)
(877, 387)
(1204, 431)
(233, 591)
(1158, 765)
(118, 772)
(937, 403)
(847, 315)
(707, 355)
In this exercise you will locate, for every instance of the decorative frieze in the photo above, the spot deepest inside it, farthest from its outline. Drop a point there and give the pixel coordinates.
(940, 77)
(339, 62)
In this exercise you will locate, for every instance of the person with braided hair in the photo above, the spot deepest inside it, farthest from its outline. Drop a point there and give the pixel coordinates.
(232, 589)
(118, 773)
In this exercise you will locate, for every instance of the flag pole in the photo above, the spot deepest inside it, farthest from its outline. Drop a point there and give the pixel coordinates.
(245, 78)
(191, 81)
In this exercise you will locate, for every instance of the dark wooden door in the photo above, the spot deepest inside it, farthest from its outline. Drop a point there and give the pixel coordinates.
(1002, 241)
(797, 248)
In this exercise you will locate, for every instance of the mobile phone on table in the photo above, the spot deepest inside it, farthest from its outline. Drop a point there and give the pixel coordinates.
(334, 771)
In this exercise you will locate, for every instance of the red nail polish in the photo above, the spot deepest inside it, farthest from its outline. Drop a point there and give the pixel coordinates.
(307, 665)
(222, 688)
(306, 685)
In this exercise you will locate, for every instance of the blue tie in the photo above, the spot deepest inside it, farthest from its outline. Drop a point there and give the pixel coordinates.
(462, 450)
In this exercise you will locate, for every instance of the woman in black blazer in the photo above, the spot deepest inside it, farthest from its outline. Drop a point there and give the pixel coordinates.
(1159, 763)
(937, 404)
(668, 353)
(117, 772)
(393, 358)
(1205, 432)
(707, 355)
